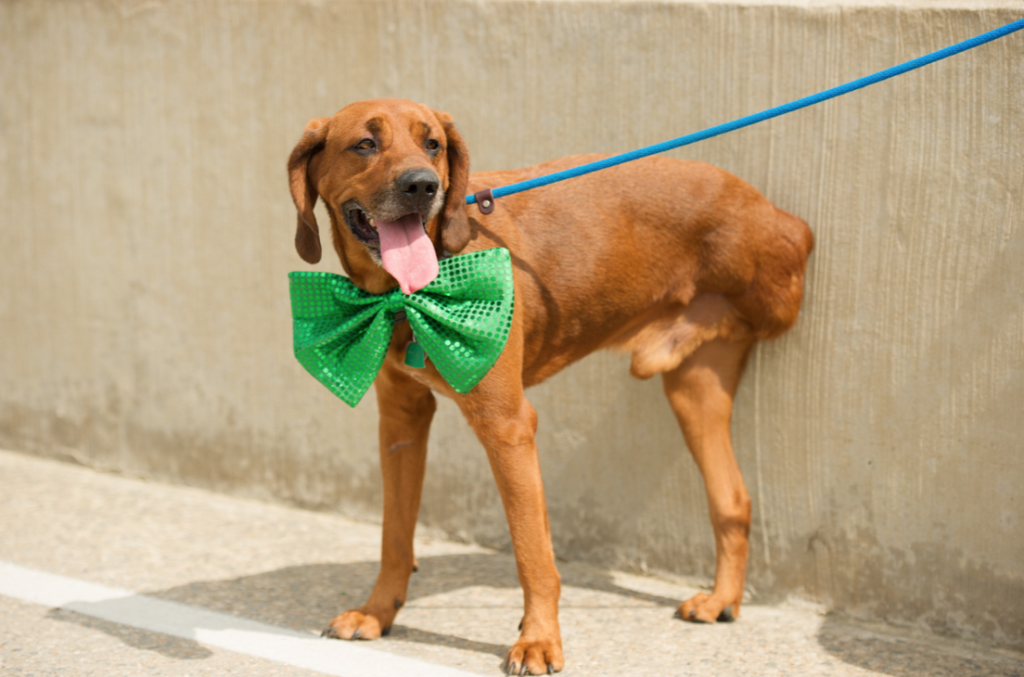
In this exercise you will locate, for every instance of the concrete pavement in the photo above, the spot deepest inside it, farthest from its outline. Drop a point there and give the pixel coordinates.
(289, 571)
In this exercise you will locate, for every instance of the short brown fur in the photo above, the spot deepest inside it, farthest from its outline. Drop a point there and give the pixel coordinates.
(679, 263)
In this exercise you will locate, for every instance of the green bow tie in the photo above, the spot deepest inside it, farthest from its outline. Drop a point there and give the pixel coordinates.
(462, 320)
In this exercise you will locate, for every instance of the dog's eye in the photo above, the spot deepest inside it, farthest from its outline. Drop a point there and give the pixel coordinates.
(365, 146)
(432, 144)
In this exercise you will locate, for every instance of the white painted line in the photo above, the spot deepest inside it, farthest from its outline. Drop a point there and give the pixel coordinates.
(330, 657)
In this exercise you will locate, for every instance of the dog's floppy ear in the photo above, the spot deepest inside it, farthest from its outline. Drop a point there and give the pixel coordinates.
(454, 222)
(303, 158)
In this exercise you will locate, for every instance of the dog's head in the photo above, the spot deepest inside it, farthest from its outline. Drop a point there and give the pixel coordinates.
(385, 168)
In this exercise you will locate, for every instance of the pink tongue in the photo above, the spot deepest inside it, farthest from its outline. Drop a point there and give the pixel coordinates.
(407, 253)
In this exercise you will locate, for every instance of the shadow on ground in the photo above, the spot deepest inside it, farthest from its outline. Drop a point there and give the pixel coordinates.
(166, 645)
(906, 656)
(307, 597)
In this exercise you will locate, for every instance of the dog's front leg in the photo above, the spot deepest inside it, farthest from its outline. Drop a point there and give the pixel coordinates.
(506, 424)
(406, 410)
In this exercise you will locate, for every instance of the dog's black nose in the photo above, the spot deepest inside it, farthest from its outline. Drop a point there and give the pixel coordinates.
(419, 185)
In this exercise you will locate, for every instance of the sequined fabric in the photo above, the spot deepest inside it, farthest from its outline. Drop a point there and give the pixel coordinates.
(461, 320)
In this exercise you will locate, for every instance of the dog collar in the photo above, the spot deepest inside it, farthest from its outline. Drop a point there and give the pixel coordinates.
(462, 319)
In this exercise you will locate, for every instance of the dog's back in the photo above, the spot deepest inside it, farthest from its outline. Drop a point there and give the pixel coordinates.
(655, 257)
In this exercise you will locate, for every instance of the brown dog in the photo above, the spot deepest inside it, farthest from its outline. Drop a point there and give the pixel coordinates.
(679, 263)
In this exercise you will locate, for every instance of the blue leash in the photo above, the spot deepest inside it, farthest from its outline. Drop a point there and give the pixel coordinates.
(748, 120)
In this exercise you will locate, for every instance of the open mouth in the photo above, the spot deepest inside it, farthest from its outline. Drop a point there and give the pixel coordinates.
(365, 227)
(402, 247)
(362, 225)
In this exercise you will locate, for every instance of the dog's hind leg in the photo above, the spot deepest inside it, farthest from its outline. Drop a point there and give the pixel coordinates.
(406, 410)
(701, 391)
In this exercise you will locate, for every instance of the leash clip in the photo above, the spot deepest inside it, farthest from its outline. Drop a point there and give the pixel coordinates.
(484, 201)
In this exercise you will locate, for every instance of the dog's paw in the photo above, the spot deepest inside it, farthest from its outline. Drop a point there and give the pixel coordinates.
(534, 657)
(355, 624)
(705, 608)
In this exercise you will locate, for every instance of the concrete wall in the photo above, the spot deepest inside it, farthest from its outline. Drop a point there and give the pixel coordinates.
(146, 229)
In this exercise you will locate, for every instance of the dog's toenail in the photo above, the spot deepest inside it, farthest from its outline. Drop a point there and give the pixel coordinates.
(693, 614)
(355, 635)
(551, 669)
(398, 603)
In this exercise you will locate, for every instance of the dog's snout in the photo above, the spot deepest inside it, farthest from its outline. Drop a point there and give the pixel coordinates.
(418, 184)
